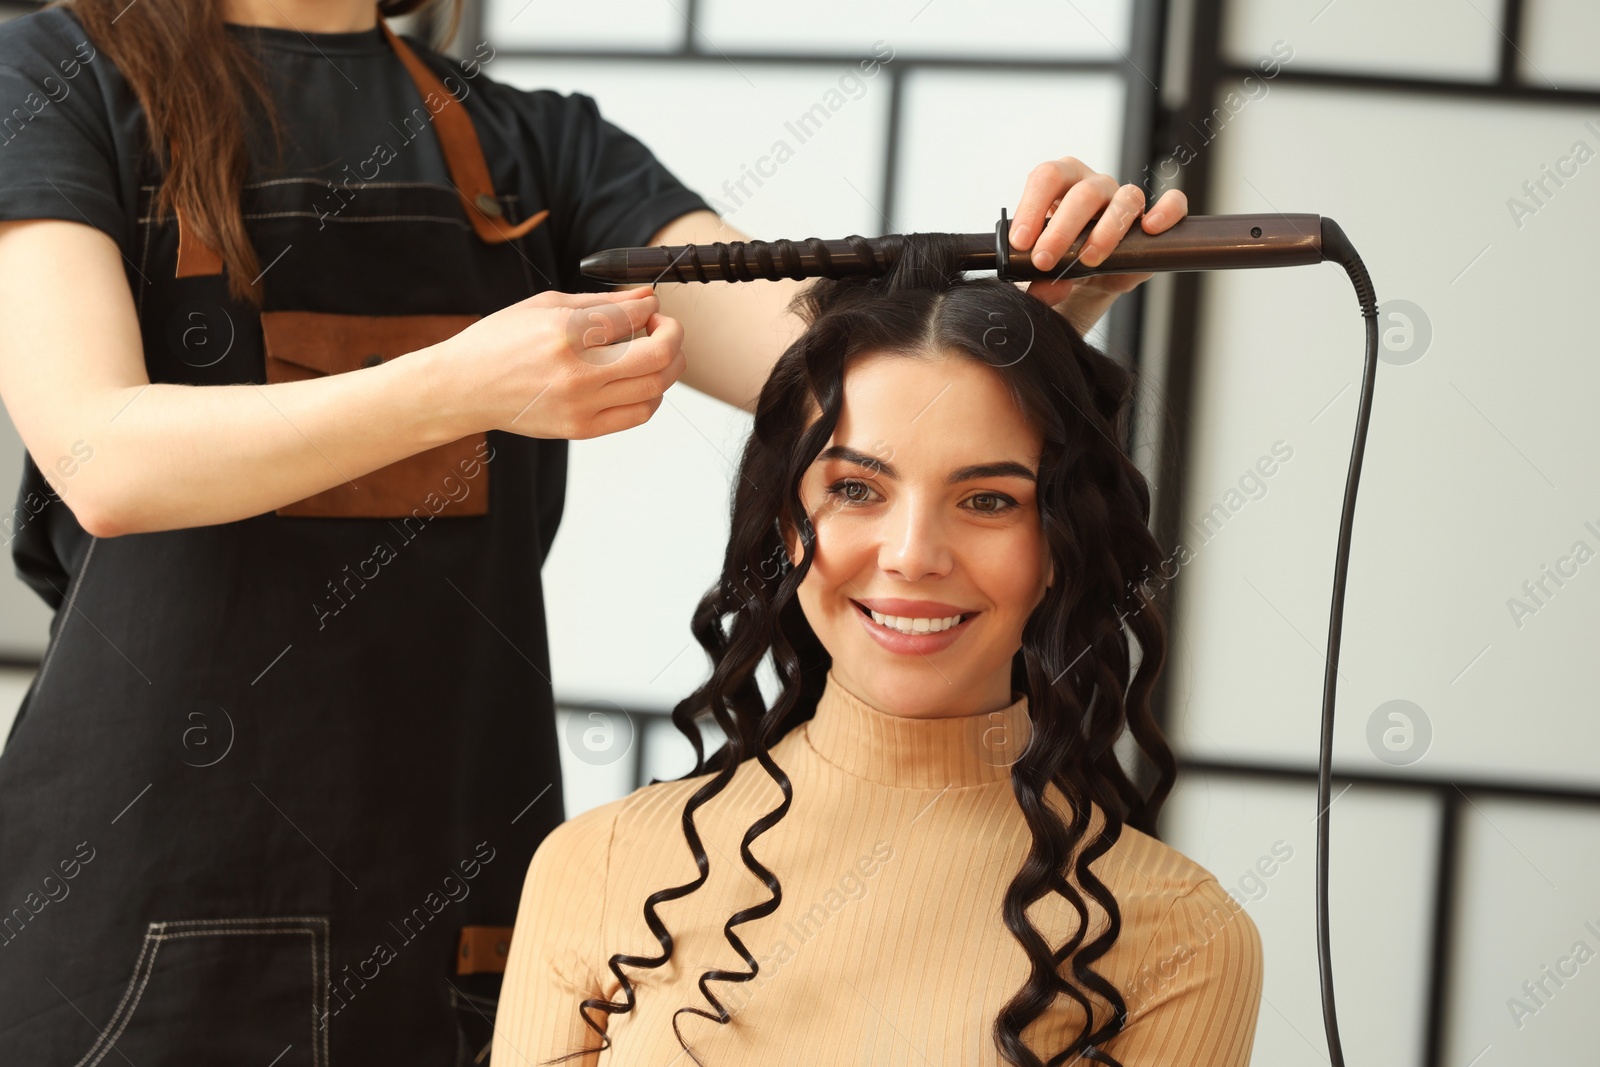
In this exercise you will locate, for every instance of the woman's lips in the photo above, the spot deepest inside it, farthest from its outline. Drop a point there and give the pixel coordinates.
(909, 644)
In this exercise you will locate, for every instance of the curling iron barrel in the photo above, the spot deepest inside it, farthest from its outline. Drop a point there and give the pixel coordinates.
(1198, 242)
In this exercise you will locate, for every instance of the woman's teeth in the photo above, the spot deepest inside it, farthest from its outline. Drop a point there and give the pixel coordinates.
(914, 626)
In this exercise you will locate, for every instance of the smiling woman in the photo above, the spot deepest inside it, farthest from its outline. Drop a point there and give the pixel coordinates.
(936, 550)
(951, 619)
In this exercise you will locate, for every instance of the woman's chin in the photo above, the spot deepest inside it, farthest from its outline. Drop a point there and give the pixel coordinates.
(916, 690)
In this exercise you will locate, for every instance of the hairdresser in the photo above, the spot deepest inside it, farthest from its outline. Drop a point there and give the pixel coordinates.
(296, 443)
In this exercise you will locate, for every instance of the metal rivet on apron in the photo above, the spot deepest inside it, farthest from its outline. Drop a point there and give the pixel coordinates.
(372, 360)
(488, 205)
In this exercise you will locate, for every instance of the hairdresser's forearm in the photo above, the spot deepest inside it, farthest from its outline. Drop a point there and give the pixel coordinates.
(169, 456)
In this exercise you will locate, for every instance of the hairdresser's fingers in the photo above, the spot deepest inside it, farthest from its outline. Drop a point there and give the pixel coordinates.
(1078, 205)
(1115, 221)
(647, 386)
(1169, 208)
(1045, 186)
(601, 325)
(639, 356)
(615, 420)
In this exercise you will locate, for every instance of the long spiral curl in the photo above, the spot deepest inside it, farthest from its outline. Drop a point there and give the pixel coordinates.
(1075, 660)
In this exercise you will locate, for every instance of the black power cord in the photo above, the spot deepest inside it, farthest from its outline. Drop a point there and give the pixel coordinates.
(1337, 248)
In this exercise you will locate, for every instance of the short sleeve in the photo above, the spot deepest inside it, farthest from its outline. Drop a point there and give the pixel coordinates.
(1196, 999)
(58, 157)
(554, 963)
(606, 188)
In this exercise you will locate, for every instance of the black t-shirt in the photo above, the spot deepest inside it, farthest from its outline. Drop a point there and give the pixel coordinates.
(74, 145)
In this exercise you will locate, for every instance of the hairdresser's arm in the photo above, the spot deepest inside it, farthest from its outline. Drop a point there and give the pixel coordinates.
(1059, 197)
(128, 456)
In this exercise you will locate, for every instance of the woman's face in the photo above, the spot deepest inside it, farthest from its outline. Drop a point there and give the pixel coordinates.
(924, 506)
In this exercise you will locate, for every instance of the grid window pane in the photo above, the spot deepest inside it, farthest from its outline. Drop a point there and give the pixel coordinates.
(1558, 44)
(627, 25)
(1259, 839)
(1414, 39)
(1526, 979)
(1088, 29)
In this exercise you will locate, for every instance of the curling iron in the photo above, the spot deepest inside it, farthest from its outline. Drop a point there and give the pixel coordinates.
(1198, 242)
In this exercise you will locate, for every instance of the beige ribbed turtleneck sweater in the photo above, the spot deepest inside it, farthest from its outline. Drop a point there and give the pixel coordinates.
(889, 946)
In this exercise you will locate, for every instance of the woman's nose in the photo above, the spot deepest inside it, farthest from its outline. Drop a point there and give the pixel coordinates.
(914, 542)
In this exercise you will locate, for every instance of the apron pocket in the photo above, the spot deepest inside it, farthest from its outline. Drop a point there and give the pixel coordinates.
(311, 344)
(223, 991)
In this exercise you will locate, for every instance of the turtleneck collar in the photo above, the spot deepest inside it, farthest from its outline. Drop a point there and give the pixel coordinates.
(914, 753)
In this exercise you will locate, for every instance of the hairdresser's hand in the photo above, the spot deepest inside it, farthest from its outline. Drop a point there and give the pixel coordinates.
(1073, 192)
(559, 365)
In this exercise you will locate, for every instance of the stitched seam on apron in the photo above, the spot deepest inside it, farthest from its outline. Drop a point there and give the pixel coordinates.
(314, 925)
(139, 965)
(356, 185)
(265, 921)
(72, 598)
(336, 218)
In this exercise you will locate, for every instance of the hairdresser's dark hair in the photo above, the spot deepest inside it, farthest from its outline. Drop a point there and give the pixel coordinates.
(1074, 663)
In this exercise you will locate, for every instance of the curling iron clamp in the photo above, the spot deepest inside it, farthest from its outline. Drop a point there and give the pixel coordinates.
(1198, 242)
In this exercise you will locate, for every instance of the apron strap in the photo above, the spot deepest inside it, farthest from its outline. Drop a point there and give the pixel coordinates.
(463, 156)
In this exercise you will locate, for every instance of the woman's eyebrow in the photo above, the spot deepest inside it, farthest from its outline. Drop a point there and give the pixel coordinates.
(1000, 469)
(1004, 469)
(860, 459)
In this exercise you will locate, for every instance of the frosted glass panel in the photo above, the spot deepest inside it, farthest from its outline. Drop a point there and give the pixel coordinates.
(13, 687)
(966, 146)
(1479, 473)
(597, 742)
(618, 25)
(1259, 840)
(1417, 38)
(641, 541)
(1558, 44)
(1087, 29)
(24, 616)
(1527, 966)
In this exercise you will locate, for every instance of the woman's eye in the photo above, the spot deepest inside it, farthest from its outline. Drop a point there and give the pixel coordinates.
(991, 503)
(851, 492)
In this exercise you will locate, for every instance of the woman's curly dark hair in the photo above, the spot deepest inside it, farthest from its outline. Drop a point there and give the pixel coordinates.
(1074, 663)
